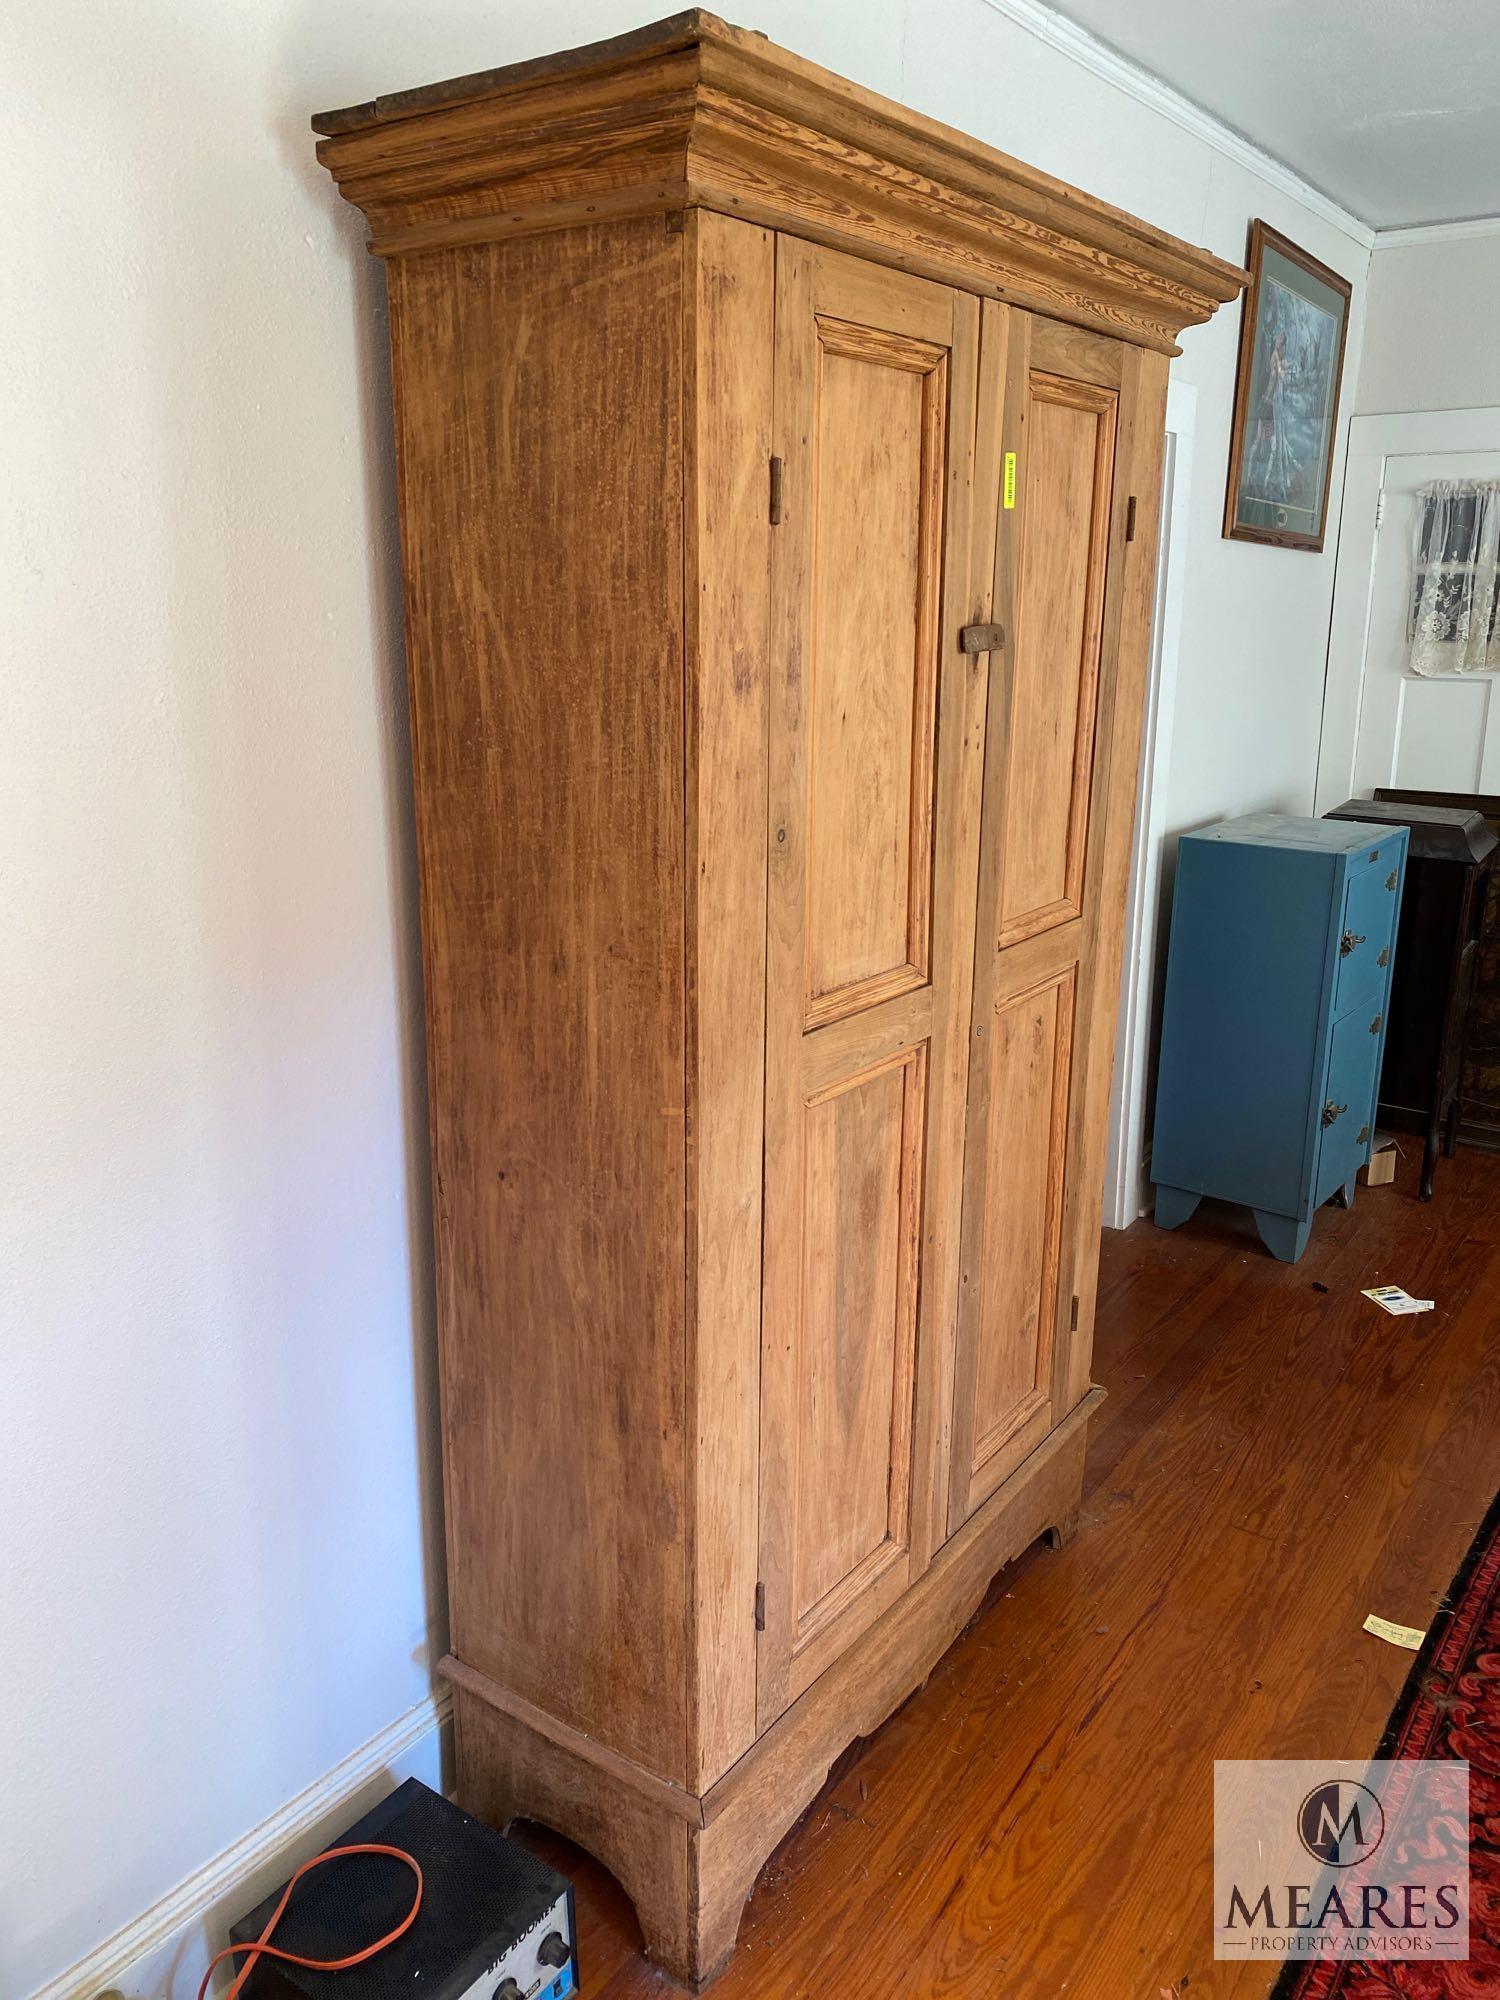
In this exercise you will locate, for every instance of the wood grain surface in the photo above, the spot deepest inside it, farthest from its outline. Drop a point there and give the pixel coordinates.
(1273, 1461)
(1068, 465)
(552, 919)
(733, 853)
(874, 416)
(697, 114)
(727, 431)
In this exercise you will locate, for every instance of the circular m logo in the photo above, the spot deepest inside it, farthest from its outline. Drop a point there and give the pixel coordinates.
(1340, 1823)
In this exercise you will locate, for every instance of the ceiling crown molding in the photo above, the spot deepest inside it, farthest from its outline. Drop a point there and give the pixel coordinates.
(692, 113)
(1077, 43)
(1438, 232)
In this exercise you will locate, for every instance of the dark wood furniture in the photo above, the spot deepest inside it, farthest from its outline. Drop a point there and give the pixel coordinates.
(1479, 1068)
(1449, 869)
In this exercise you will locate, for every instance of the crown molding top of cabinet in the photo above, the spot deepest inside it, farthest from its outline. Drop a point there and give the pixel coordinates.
(693, 113)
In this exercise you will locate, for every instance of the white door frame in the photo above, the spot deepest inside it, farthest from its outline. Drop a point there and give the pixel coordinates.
(1127, 1188)
(1373, 440)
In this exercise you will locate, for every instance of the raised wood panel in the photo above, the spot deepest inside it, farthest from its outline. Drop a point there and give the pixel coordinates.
(880, 411)
(862, 1165)
(1056, 813)
(870, 927)
(1026, 1158)
(1068, 458)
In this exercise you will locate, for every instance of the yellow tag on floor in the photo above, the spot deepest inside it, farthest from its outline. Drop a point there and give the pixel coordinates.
(1399, 1635)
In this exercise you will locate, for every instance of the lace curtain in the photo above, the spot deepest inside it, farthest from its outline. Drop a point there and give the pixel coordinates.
(1455, 608)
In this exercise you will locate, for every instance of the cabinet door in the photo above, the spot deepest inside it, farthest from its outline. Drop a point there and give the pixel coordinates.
(873, 844)
(1367, 932)
(1076, 440)
(1346, 1105)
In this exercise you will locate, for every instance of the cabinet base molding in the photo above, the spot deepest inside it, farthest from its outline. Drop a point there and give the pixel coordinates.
(688, 1862)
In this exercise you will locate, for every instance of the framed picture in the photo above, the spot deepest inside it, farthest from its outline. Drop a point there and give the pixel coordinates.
(1286, 395)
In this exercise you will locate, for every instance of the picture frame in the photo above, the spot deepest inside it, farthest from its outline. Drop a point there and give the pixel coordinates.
(1293, 331)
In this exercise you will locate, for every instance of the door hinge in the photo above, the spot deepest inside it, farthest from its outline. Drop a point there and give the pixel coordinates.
(776, 470)
(760, 1607)
(1073, 1316)
(1130, 519)
(1380, 507)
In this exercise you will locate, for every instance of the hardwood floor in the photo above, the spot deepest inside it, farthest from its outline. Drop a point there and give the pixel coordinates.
(1276, 1459)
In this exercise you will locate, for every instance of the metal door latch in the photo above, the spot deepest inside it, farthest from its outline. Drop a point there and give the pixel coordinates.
(1348, 942)
(1333, 1112)
(981, 638)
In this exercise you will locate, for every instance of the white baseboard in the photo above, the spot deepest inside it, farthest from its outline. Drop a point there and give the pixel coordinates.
(163, 1953)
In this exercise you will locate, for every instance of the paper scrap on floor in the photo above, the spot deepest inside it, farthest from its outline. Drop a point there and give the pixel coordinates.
(1399, 1635)
(1394, 1300)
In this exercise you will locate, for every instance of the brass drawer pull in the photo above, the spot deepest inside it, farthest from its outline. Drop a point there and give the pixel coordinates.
(1333, 1112)
(1348, 942)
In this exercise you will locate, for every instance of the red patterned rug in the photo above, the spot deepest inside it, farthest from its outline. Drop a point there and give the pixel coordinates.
(1450, 1707)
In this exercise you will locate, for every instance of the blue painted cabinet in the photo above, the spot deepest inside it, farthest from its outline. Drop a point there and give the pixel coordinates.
(1278, 983)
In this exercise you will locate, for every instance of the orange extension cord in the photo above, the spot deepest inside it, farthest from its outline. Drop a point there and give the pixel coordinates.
(261, 1949)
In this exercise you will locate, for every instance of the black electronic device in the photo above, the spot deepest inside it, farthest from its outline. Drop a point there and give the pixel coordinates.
(495, 1922)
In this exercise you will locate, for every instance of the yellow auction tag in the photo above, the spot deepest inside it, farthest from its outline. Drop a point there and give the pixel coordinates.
(1398, 1635)
(1010, 479)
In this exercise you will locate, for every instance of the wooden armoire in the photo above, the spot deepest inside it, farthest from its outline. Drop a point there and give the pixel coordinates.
(778, 476)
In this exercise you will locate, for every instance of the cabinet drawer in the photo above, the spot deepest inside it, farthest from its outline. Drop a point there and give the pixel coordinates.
(1348, 1106)
(1368, 931)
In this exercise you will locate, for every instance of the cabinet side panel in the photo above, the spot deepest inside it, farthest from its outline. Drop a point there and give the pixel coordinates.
(1242, 1021)
(731, 304)
(538, 396)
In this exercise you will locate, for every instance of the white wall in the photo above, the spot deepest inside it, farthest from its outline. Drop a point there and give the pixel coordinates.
(1255, 620)
(218, 1515)
(1430, 349)
(218, 1497)
(1431, 340)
